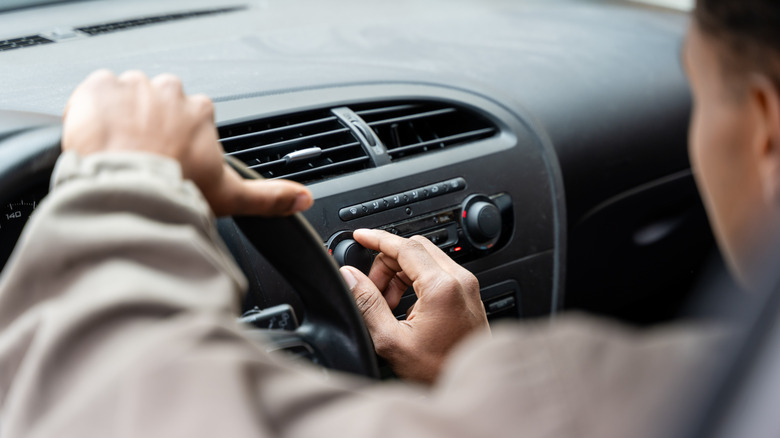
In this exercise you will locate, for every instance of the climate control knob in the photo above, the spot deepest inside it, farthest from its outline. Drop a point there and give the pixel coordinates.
(349, 252)
(481, 221)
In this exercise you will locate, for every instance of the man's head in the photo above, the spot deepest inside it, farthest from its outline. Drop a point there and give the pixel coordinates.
(732, 55)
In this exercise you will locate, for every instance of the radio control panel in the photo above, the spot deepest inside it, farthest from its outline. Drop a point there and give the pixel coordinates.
(478, 226)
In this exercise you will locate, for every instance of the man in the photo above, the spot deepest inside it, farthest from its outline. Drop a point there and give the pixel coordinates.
(125, 326)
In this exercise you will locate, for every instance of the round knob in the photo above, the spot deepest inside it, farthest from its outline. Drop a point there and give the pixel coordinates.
(481, 222)
(349, 252)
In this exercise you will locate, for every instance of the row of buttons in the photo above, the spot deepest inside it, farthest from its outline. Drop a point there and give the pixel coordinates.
(401, 199)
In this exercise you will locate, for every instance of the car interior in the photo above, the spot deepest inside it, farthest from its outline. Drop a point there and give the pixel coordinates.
(542, 144)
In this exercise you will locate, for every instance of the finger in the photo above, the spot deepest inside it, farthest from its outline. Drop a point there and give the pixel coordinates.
(168, 84)
(379, 319)
(413, 257)
(259, 197)
(395, 290)
(203, 106)
(133, 77)
(95, 78)
(389, 278)
(443, 260)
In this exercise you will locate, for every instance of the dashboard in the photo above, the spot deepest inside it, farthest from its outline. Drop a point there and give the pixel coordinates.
(542, 144)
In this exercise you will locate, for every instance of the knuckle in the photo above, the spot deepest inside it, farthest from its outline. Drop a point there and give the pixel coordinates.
(469, 282)
(418, 239)
(102, 75)
(133, 77)
(385, 346)
(449, 283)
(414, 243)
(204, 105)
(168, 81)
(366, 302)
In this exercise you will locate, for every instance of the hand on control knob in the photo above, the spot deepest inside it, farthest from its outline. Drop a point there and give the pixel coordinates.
(448, 304)
(350, 253)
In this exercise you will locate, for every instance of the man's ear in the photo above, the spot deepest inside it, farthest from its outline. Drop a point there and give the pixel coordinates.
(766, 99)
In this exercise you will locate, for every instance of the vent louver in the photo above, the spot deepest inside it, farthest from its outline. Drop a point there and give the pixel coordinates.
(22, 42)
(315, 145)
(409, 129)
(145, 21)
(303, 147)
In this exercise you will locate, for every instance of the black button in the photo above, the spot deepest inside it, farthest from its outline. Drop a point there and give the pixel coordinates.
(500, 304)
(349, 213)
(414, 195)
(457, 184)
(375, 206)
(434, 190)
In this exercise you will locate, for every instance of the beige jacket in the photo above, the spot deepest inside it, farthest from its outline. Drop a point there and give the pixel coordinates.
(117, 319)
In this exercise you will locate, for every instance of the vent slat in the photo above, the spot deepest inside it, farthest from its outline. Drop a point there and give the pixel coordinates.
(389, 109)
(292, 127)
(464, 137)
(281, 144)
(308, 174)
(416, 127)
(262, 145)
(412, 117)
(282, 162)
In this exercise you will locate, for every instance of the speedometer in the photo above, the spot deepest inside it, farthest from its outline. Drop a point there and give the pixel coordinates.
(13, 217)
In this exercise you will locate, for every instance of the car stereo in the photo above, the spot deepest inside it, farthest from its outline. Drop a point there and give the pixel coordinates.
(475, 227)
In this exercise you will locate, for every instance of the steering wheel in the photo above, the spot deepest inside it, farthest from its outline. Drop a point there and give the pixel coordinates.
(331, 329)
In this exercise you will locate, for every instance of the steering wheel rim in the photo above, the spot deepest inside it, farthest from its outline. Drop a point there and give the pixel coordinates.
(331, 323)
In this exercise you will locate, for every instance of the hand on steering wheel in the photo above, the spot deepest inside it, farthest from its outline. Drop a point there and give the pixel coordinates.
(134, 113)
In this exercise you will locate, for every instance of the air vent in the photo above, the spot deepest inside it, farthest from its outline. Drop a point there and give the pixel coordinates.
(303, 147)
(22, 42)
(145, 21)
(409, 129)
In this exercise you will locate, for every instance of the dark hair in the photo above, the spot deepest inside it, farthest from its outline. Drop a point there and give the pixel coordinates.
(748, 31)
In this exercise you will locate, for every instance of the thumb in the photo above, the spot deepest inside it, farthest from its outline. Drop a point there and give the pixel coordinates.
(237, 196)
(379, 319)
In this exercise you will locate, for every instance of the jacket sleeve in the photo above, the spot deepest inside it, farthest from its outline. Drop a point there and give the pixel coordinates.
(117, 318)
